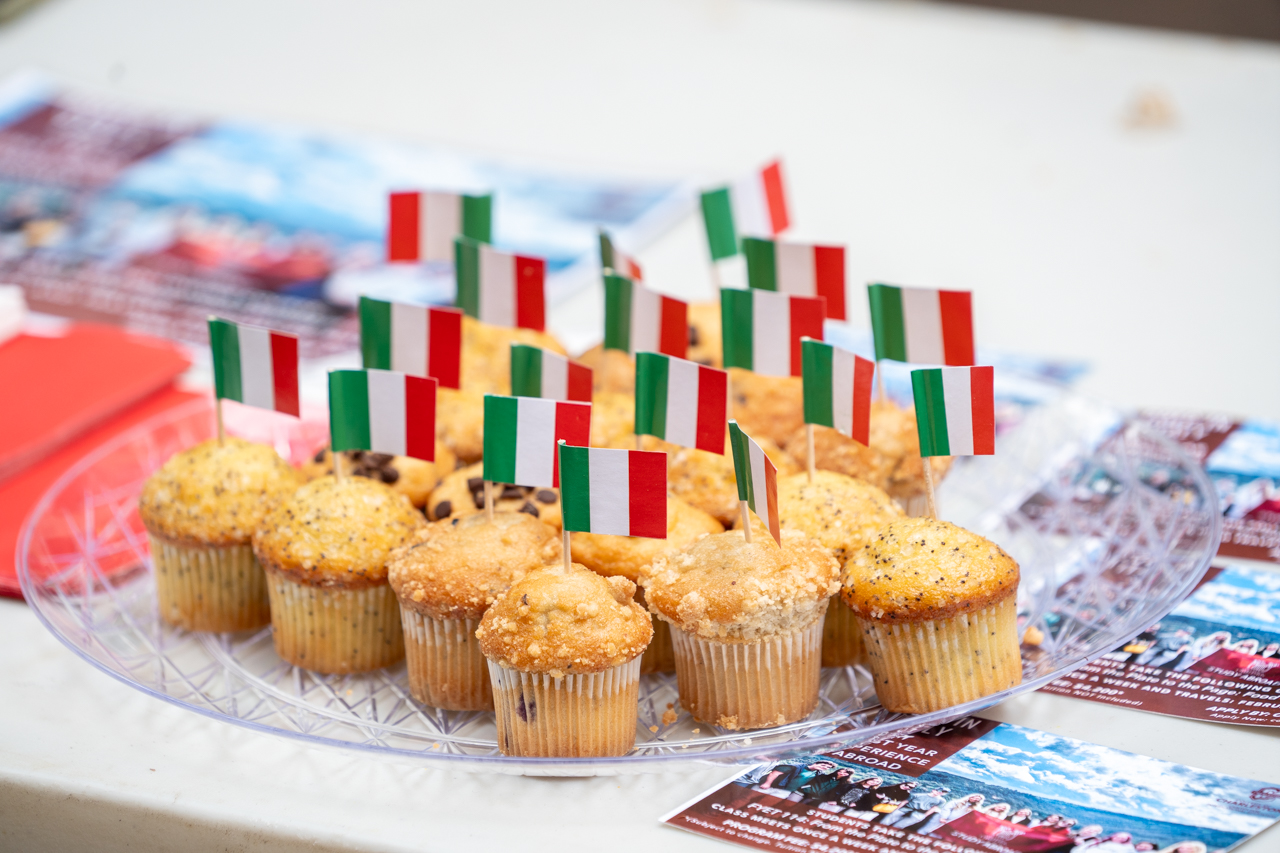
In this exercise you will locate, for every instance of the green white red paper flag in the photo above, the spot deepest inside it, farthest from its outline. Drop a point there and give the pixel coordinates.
(254, 366)
(837, 389)
(536, 372)
(413, 339)
(800, 269)
(421, 225)
(384, 411)
(762, 330)
(616, 492)
(681, 401)
(520, 436)
(757, 479)
(636, 319)
(614, 261)
(921, 325)
(500, 288)
(955, 411)
(756, 206)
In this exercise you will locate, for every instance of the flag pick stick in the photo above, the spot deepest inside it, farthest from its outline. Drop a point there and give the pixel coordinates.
(639, 442)
(746, 520)
(488, 501)
(337, 465)
(928, 487)
(808, 428)
(879, 382)
(217, 405)
(566, 546)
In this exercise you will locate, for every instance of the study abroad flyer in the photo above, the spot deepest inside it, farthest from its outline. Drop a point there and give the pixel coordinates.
(976, 786)
(1215, 657)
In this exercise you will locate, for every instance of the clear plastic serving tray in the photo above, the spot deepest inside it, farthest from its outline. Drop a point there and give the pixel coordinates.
(1111, 523)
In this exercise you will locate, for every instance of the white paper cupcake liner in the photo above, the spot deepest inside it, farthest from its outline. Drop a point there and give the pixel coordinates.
(210, 588)
(446, 667)
(334, 630)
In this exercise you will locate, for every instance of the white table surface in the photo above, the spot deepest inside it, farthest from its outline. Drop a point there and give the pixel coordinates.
(948, 147)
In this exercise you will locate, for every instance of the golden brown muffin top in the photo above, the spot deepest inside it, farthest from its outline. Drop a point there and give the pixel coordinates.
(336, 533)
(627, 555)
(721, 587)
(840, 512)
(920, 569)
(563, 621)
(454, 569)
(215, 493)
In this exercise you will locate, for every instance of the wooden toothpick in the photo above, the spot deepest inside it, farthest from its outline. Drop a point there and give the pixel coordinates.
(808, 428)
(568, 550)
(337, 465)
(746, 520)
(488, 501)
(928, 487)
(217, 406)
(879, 382)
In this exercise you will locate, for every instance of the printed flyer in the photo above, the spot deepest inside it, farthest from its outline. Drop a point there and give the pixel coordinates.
(1242, 458)
(1215, 657)
(976, 786)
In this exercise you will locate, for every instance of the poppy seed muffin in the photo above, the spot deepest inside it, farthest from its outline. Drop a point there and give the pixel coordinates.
(628, 556)
(843, 514)
(200, 510)
(563, 647)
(324, 549)
(938, 610)
(746, 623)
(445, 579)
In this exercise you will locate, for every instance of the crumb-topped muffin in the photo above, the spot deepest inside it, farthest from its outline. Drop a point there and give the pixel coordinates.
(938, 609)
(746, 623)
(445, 579)
(325, 549)
(414, 478)
(200, 510)
(628, 556)
(564, 648)
(843, 514)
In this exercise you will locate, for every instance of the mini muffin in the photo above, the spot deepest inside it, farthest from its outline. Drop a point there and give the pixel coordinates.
(462, 493)
(613, 419)
(612, 370)
(707, 480)
(892, 462)
(746, 623)
(325, 549)
(771, 407)
(628, 556)
(460, 423)
(706, 344)
(445, 579)
(200, 510)
(414, 478)
(938, 610)
(564, 648)
(843, 515)
(486, 354)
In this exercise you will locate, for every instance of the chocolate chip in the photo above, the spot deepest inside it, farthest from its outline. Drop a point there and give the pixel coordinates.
(475, 484)
(545, 496)
(389, 475)
(512, 493)
(529, 508)
(444, 509)
(363, 471)
(693, 336)
(319, 457)
(478, 500)
(378, 459)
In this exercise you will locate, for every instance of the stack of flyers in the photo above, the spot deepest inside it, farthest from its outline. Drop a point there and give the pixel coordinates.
(977, 786)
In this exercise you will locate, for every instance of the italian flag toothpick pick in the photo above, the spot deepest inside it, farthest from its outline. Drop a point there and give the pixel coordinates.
(757, 482)
(520, 436)
(536, 372)
(921, 325)
(612, 260)
(617, 492)
(383, 411)
(681, 401)
(500, 288)
(422, 225)
(799, 269)
(254, 366)
(762, 330)
(412, 339)
(955, 411)
(837, 389)
(755, 206)
(638, 319)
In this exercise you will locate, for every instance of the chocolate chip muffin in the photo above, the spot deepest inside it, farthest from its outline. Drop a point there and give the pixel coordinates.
(460, 423)
(445, 579)
(486, 354)
(767, 406)
(200, 510)
(324, 549)
(413, 478)
(563, 647)
(462, 493)
(707, 480)
(938, 610)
